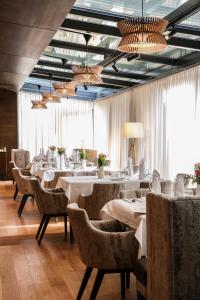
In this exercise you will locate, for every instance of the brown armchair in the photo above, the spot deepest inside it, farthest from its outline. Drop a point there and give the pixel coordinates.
(102, 193)
(50, 203)
(23, 186)
(103, 245)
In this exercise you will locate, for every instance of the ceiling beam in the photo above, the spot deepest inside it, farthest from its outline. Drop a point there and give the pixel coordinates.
(61, 79)
(187, 29)
(69, 76)
(121, 74)
(80, 47)
(183, 12)
(184, 43)
(110, 30)
(92, 13)
(90, 27)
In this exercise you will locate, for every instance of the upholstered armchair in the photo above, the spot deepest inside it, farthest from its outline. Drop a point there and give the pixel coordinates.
(23, 171)
(23, 186)
(20, 157)
(50, 203)
(52, 184)
(173, 243)
(103, 245)
(101, 194)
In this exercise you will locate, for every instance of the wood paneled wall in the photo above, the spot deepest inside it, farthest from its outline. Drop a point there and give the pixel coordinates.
(8, 123)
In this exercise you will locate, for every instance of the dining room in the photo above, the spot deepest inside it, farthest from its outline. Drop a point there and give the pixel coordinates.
(99, 149)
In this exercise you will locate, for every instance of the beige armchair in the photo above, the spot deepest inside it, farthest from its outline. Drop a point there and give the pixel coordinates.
(23, 186)
(103, 245)
(50, 203)
(102, 193)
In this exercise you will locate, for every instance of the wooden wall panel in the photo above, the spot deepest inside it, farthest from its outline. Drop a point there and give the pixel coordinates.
(8, 123)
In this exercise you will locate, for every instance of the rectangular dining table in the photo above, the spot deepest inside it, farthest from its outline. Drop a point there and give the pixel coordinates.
(131, 213)
(75, 186)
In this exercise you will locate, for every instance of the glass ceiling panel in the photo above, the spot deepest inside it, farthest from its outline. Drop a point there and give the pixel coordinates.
(73, 56)
(136, 66)
(187, 36)
(132, 7)
(194, 20)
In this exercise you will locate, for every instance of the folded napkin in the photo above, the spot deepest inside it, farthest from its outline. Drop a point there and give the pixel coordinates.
(156, 187)
(142, 169)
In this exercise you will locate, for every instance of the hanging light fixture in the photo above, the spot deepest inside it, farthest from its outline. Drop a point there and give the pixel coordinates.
(85, 74)
(64, 89)
(38, 104)
(142, 34)
(50, 97)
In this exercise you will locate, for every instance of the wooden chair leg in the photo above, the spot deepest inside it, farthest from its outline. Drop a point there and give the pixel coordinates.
(65, 224)
(84, 282)
(71, 234)
(40, 227)
(97, 283)
(22, 204)
(127, 280)
(44, 229)
(16, 192)
(122, 275)
(140, 297)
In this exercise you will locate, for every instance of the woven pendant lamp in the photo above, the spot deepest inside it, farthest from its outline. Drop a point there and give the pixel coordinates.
(64, 89)
(142, 34)
(86, 74)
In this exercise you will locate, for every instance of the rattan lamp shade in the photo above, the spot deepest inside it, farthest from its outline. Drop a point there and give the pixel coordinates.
(64, 89)
(87, 75)
(142, 35)
(50, 98)
(38, 104)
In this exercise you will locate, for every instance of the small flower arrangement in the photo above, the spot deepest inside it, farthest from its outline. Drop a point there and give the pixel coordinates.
(83, 154)
(196, 176)
(60, 150)
(101, 160)
(52, 148)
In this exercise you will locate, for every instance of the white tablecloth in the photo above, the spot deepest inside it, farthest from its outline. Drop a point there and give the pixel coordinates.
(132, 214)
(74, 186)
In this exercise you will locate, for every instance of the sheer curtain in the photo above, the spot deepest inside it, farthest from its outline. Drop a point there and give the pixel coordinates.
(110, 116)
(170, 111)
(68, 124)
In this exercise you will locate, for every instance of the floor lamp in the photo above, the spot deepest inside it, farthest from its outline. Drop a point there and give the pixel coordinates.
(133, 130)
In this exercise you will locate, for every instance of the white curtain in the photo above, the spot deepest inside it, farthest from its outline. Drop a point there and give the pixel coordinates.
(170, 111)
(68, 124)
(110, 116)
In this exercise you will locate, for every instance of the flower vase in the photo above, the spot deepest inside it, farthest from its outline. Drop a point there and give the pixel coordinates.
(101, 172)
(83, 163)
(61, 162)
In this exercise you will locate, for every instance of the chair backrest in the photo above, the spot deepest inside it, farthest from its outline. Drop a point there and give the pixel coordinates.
(102, 193)
(173, 243)
(98, 248)
(23, 182)
(48, 202)
(20, 157)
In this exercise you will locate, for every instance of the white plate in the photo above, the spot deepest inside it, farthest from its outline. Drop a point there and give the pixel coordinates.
(116, 178)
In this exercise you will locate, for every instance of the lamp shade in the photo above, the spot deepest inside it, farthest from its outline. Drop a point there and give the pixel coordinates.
(133, 130)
